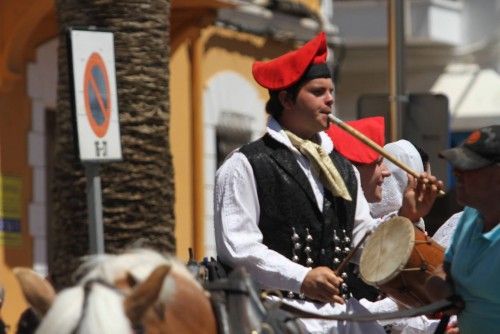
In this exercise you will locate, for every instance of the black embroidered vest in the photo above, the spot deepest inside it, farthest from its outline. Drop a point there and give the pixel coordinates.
(288, 206)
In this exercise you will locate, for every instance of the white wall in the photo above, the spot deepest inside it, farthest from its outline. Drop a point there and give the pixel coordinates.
(42, 89)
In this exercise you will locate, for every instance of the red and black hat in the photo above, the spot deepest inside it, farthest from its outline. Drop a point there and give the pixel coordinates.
(480, 149)
(307, 62)
(352, 148)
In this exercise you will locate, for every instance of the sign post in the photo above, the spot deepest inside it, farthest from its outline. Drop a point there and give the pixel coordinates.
(94, 208)
(95, 105)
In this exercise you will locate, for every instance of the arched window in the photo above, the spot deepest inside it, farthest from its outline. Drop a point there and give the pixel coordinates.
(234, 115)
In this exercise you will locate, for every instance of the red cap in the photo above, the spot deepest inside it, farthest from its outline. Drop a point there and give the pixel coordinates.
(282, 72)
(352, 148)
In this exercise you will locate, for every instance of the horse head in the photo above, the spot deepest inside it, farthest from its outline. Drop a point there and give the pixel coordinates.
(169, 301)
(139, 291)
(39, 294)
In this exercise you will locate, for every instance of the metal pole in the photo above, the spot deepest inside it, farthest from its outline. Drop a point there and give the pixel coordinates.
(396, 44)
(94, 209)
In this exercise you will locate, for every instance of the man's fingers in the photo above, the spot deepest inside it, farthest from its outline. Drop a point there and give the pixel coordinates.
(430, 183)
(421, 192)
(338, 299)
(427, 187)
(322, 284)
(330, 288)
(325, 292)
(440, 185)
(412, 182)
(331, 291)
(335, 280)
(452, 328)
(421, 187)
(331, 298)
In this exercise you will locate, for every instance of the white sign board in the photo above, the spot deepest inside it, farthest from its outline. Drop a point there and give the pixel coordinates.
(95, 96)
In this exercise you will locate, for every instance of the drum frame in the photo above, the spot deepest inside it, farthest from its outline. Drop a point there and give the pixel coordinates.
(406, 285)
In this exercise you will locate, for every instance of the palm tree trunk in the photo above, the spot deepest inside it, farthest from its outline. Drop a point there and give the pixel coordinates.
(138, 192)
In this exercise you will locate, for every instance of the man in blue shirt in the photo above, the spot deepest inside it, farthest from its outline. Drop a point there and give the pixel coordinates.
(473, 258)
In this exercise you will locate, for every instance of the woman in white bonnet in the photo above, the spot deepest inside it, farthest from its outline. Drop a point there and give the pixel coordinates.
(394, 186)
(393, 190)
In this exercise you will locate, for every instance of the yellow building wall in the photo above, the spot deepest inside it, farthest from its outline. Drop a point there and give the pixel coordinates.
(228, 50)
(221, 50)
(181, 146)
(24, 24)
(313, 5)
(15, 120)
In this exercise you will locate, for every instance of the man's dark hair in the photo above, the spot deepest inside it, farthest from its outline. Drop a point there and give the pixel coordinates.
(274, 106)
(423, 155)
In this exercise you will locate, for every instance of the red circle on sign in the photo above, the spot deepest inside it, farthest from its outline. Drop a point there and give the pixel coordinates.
(97, 95)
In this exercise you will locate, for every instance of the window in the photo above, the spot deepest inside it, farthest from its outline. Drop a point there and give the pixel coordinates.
(231, 134)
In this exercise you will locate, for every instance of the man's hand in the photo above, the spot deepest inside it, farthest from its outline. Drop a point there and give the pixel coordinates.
(439, 286)
(323, 285)
(452, 328)
(419, 196)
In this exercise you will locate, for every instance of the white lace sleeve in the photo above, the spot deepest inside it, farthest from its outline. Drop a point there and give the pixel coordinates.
(445, 232)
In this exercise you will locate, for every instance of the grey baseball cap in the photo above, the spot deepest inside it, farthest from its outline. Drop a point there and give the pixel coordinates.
(480, 149)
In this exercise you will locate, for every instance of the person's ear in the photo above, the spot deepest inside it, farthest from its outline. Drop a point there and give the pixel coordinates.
(285, 99)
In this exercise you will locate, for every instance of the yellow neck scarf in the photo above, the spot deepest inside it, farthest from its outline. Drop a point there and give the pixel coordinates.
(323, 165)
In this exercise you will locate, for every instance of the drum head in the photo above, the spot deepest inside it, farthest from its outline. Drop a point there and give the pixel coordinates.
(387, 251)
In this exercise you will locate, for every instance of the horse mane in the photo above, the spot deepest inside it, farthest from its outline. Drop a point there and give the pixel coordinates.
(104, 312)
(138, 262)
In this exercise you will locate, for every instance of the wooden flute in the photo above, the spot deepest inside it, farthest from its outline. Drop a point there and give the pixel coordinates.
(355, 133)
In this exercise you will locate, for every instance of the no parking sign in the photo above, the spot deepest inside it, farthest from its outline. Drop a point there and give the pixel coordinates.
(92, 65)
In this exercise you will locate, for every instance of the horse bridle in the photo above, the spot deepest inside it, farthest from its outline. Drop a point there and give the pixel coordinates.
(87, 287)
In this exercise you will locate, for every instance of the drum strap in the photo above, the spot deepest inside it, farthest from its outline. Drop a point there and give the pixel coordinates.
(440, 305)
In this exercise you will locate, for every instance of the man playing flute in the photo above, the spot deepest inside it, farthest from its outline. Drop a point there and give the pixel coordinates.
(288, 207)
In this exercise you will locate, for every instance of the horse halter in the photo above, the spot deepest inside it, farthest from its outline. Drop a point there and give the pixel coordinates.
(136, 328)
